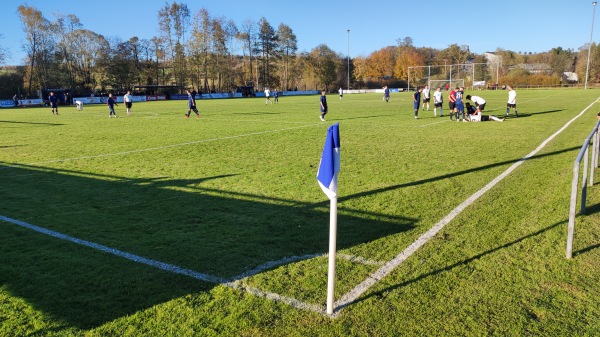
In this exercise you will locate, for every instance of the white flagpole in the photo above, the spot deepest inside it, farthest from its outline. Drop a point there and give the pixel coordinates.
(332, 251)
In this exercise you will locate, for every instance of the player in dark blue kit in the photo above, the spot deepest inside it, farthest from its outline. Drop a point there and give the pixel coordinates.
(417, 101)
(111, 106)
(191, 104)
(323, 105)
(460, 106)
(386, 94)
(53, 102)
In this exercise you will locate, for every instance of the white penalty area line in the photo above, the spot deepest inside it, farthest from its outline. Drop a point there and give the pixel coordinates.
(387, 268)
(160, 147)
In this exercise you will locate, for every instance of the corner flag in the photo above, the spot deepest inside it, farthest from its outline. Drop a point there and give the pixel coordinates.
(330, 162)
(327, 178)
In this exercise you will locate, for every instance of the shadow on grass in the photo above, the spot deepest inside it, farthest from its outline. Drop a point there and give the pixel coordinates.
(461, 263)
(174, 221)
(587, 249)
(449, 175)
(30, 123)
(589, 210)
(523, 115)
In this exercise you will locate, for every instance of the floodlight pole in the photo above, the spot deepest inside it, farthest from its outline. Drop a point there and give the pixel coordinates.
(587, 68)
(348, 59)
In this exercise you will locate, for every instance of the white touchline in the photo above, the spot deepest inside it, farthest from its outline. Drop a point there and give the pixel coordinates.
(234, 282)
(161, 147)
(106, 249)
(387, 268)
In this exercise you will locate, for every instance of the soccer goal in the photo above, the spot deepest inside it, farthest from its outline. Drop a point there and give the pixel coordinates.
(451, 84)
(473, 75)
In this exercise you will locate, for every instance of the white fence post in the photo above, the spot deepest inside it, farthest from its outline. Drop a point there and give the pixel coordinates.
(572, 210)
(584, 178)
(593, 161)
(583, 154)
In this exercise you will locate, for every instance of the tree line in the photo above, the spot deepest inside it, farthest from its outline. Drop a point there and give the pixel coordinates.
(211, 54)
(393, 62)
(215, 54)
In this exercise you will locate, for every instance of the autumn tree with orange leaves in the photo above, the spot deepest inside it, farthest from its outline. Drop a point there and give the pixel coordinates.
(409, 57)
(381, 63)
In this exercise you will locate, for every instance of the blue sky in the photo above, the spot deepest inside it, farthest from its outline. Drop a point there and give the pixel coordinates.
(525, 25)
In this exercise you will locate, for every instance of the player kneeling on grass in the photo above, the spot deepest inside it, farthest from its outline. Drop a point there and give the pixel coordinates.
(475, 116)
(79, 105)
(478, 101)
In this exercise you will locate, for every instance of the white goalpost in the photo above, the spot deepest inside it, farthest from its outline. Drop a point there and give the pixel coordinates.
(473, 75)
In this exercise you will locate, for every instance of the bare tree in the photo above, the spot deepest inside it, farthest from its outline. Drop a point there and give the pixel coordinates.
(247, 36)
(159, 56)
(64, 28)
(38, 46)
(173, 21)
(231, 31)
(3, 52)
(87, 49)
(200, 45)
(289, 45)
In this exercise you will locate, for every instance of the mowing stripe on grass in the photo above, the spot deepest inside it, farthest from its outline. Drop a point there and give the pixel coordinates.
(162, 147)
(387, 268)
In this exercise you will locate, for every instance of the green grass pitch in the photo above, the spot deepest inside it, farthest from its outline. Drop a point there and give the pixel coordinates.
(236, 189)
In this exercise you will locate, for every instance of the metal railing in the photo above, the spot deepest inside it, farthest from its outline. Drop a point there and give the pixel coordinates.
(594, 139)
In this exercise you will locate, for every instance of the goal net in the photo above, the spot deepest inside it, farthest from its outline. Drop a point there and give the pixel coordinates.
(456, 82)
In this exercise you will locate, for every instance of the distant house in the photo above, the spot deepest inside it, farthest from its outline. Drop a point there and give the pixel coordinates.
(492, 58)
(570, 77)
(532, 68)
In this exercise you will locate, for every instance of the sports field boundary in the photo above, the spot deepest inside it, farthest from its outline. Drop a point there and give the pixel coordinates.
(236, 282)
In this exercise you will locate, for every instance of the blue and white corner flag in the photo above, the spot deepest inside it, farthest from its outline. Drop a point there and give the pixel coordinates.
(330, 162)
